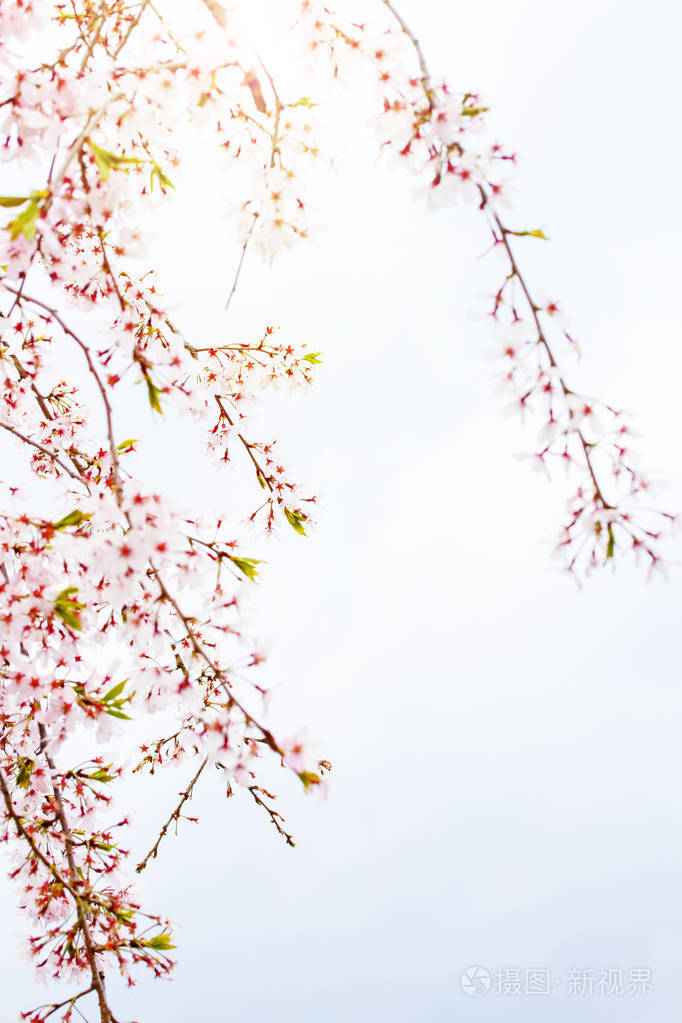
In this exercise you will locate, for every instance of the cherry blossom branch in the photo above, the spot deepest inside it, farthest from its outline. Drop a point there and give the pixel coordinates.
(542, 337)
(76, 146)
(436, 134)
(23, 374)
(106, 1015)
(175, 816)
(426, 77)
(49, 454)
(131, 28)
(275, 817)
(54, 315)
(240, 264)
(108, 270)
(248, 447)
(53, 1007)
(42, 404)
(218, 12)
(78, 227)
(69, 883)
(274, 149)
(218, 672)
(99, 19)
(30, 841)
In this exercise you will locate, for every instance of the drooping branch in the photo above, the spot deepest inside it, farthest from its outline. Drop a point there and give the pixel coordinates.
(106, 1015)
(598, 514)
(53, 314)
(48, 454)
(175, 816)
(70, 883)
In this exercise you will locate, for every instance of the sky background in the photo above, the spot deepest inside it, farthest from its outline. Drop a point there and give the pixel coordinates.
(507, 761)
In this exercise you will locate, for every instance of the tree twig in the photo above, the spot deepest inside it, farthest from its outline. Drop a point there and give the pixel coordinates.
(175, 816)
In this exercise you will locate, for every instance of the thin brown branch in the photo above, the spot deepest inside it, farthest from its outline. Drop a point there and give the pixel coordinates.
(217, 671)
(218, 13)
(108, 270)
(426, 77)
(42, 404)
(542, 337)
(261, 474)
(53, 314)
(98, 20)
(106, 1015)
(23, 375)
(274, 816)
(240, 264)
(131, 28)
(76, 146)
(175, 816)
(30, 841)
(515, 271)
(49, 454)
(56, 1006)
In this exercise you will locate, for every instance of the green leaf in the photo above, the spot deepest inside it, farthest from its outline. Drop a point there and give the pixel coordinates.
(68, 609)
(247, 566)
(103, 165)
(25, 223)
(106, 161)
(530, 234)
(474, 111)
(8, 201)
(312, 357)
(117, 714)
(116, 691)
(25, 768)
(126, 445)
(74, 518)
(113, 703)
(295, 520)
(163, 179)
(611, 545)
(161, 942)
(304, 101)
(13, 200)
(153, 393)
(101, 775)
(309, 779)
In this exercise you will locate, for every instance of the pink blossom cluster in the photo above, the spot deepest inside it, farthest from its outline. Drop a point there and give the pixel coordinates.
(117, 606)
(442, 138)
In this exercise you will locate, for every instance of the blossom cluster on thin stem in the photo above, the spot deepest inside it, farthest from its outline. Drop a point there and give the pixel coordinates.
(442, 137)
